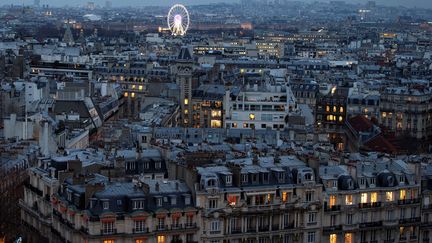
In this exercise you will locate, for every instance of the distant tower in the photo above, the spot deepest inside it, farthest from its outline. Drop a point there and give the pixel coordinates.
(184, 80)
(81, 38)
(68, 37)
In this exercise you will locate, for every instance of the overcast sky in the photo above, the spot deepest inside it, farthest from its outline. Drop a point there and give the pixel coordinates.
(408, 3)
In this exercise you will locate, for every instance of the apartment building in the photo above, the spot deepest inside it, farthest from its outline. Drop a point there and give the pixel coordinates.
(207, 108)
(407, 111)
(261, 105)
(259, 200)
(370, 201)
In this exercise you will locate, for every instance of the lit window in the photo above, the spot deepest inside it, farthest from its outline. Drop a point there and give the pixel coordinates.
(349, 199)
(389, 196)
(161, 239)
(216, 113)
(327, 108)
(139, 241)
(216, 123)
(332, 200)
(384, 115)
(364, 198)
(252, 116)
(340, 118)
(186, 111)
(234, 125)
(108, 241)
(333, 238)
(132, 94)
(284, 196)
(232, 200)
(334, 109)
(133, 86)
(126, 94)
(348, 238)
(186, 101)
(374, 197)
(402, 194)
(341, 109)
(140, 87)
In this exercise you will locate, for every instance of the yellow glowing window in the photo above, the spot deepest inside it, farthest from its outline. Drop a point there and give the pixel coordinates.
(133, 86)
(161, 239)
(234, 125)
(389, 196)
(186, 101)
(140, 87)
(186, 111)
(349, 200)
(374, 197)
(132, 94)
(333, 90)
(245, 125)
(139, 241)
(252, 116)
(348, 238)
(216, 113)
(284, 196)
(341, 109)
(108, 241)
(332, 200)
(384, 115)
(334, 108)
(363, 198)
(402, 194)
(333, 238)
(216, 123)
(340, 118)
(126, 94)
(327, 108)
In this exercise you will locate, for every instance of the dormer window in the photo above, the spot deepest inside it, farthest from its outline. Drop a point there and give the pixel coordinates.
(158, 165)
(138, 204)
(402, 179)
(265, 177)
(187, 200)
(228, 180)
(173, 200)
(105, 205)
(362, 181)
(308, 176)
(93, 202)
(372, 180)
(159, 201)
(244, 178)
(335, 183)
(147, 165)
(211, 183)
(281, 176)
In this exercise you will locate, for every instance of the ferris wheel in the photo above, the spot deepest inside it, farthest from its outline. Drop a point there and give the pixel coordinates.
(178, 20)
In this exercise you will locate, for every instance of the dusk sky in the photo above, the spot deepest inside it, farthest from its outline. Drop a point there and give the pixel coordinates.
(408, 3)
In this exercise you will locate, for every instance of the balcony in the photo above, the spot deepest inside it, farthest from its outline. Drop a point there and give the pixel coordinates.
(390, 222)
(251, 230)
(371, 224)
(190, 225)
(330, 229)
(289, 226)
(140, 230)
(161, 227)
(389, 241)
(176, 226)
(33, 189)
(215, 232)
(275, 227)
(410, 220)
(409, 201)
(236, 231)
(263, 228)
(332, 208)
(370, 205)
(108, 231)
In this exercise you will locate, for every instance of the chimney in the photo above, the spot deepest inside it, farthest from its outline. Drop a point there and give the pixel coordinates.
(157, 186)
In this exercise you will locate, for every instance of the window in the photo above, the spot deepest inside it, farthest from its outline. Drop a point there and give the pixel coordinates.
(244, 178)
(389, 214)
(333, 220)
(389, 196)
(158, 165)
(108, 227)
(349, 219)
(173, 200)
(332, 201)
(108, 241)
(413, 212)
(364, 198)
(139, 226)
(349, 200)
(159, 202)
(309, 196)
(214, 225)
(187, 200)
(138, 204)
(341, 109)
(402, 194)
(161, 239)
(213, 203)
(105, 205)
(312, 218)
(374, 197)
(186, 101)
(228, 180)
(333, 238)
(311, 237)
(348, 238)
(284, 196)
(251, 116)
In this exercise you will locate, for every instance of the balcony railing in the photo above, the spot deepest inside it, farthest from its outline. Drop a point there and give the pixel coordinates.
(409, 220)
(251, 230)
(263, 228)
(140, 230)
(371, 224)
(408, 201)
(275, 227)
(370, 205)
(332, 208)
(332, 228)
(108, 231)
(161, 227)
(176, 226)
(190, 225)
(289, 226)
(236, 231)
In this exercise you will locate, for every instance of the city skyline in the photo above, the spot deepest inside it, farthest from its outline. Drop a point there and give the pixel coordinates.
(125, 3)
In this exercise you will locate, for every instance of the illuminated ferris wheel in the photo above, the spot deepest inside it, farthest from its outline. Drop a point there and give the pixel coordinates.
(178, 20)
